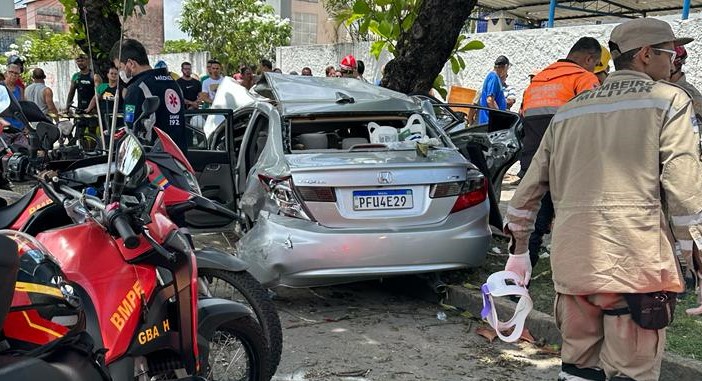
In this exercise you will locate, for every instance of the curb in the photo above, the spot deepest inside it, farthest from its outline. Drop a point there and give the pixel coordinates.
(543, 326)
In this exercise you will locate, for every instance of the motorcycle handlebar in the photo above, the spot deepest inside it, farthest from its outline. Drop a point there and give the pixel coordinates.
(92, 201)
(121, 224)
(115, 218)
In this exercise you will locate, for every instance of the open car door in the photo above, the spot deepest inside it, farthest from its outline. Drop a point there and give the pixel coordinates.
(492, 147)
(213, 164)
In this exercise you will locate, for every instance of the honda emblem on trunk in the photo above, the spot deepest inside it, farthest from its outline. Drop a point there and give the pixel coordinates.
(385, 177)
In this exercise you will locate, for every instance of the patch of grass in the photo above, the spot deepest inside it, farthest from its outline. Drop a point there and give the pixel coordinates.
(684, 336)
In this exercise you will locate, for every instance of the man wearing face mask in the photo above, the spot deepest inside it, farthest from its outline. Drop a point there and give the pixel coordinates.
(142, 82)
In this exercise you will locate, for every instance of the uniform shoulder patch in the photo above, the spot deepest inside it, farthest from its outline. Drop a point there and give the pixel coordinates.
(172, 101)
(129, 113)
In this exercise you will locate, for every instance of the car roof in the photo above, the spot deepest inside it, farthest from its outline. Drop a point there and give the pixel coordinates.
(301, 95)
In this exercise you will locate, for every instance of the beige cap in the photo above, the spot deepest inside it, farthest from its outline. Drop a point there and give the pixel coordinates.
(642, 32)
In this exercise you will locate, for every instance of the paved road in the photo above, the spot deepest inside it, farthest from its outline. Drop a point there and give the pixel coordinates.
(390, 331)
(374, 331)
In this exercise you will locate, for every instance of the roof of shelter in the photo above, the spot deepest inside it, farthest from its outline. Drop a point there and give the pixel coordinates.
(570, 12)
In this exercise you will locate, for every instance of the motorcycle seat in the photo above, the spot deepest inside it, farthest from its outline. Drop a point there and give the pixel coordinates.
(29, 368)
(10, 213)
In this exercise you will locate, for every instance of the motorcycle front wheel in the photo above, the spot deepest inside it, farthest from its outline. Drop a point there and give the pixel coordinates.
(242, 287)
(236, 352)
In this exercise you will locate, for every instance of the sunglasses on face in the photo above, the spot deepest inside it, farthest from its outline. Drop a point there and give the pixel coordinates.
(671, 52)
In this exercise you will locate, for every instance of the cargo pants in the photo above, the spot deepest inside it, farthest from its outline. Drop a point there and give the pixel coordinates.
(596, 345)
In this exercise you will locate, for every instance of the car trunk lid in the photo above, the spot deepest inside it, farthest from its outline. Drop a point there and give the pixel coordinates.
(372, 190)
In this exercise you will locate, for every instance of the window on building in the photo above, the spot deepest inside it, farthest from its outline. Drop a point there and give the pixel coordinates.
(304, 28)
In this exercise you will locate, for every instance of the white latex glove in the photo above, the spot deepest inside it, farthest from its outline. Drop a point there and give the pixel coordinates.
(520, 264)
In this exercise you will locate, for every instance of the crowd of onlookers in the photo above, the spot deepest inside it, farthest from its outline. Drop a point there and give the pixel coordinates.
(93, 91)
(200, 91)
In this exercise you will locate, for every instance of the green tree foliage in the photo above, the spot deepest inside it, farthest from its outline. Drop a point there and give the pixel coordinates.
(340, 11)
(104, 21)
(182, 46)
(46, 45)
(235, 31)
(386, 21)
(41, 46)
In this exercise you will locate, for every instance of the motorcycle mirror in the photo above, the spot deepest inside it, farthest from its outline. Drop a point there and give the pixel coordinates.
(48, 134)
(149, 107)
(130, 156)
(33, 113)
(4, 98)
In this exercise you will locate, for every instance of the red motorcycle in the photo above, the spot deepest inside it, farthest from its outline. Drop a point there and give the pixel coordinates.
(221, 274)
(135, 273)
(37, 305)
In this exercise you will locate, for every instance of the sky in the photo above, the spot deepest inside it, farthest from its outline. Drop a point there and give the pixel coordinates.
(171, 11)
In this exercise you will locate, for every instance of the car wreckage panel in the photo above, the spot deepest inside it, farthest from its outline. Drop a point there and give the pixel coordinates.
(314, 243)
(297, 253)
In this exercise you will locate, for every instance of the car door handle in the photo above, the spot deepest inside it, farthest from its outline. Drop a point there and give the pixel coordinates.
(213, 167)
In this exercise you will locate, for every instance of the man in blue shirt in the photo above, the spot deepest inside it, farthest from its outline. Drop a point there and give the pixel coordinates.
(492, 94)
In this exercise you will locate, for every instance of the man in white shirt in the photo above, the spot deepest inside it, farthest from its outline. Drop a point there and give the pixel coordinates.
(211, 84)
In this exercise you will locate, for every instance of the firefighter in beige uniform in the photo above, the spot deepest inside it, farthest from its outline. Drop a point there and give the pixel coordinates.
(620, 162)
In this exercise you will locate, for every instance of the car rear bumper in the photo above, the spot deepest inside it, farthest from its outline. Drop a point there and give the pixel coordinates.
(284, 251)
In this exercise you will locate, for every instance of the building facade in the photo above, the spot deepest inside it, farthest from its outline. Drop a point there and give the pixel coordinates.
(147, 28)
(37, 14)
(309, 20)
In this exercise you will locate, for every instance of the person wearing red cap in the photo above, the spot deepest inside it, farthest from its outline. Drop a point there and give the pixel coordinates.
(677, 76)
(622, 164)
(348, 67)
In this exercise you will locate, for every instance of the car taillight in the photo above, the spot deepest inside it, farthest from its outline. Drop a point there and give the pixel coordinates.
(318, 194)
(470, 192)
(281, 191)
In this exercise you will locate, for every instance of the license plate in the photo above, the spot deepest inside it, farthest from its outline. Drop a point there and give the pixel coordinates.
(382, 199)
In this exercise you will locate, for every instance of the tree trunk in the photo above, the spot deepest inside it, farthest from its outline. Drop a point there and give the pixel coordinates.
(104, 29)
(422, 51)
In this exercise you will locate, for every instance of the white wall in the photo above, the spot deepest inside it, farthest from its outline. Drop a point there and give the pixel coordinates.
(58, 73)
(526, 49)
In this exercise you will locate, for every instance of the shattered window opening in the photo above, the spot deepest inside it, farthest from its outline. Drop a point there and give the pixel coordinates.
(334, 134)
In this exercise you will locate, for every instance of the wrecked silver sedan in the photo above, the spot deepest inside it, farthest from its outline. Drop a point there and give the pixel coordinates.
(339, 181)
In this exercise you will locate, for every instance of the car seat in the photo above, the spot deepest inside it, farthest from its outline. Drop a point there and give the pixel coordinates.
(347, 143)
(314, 141)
